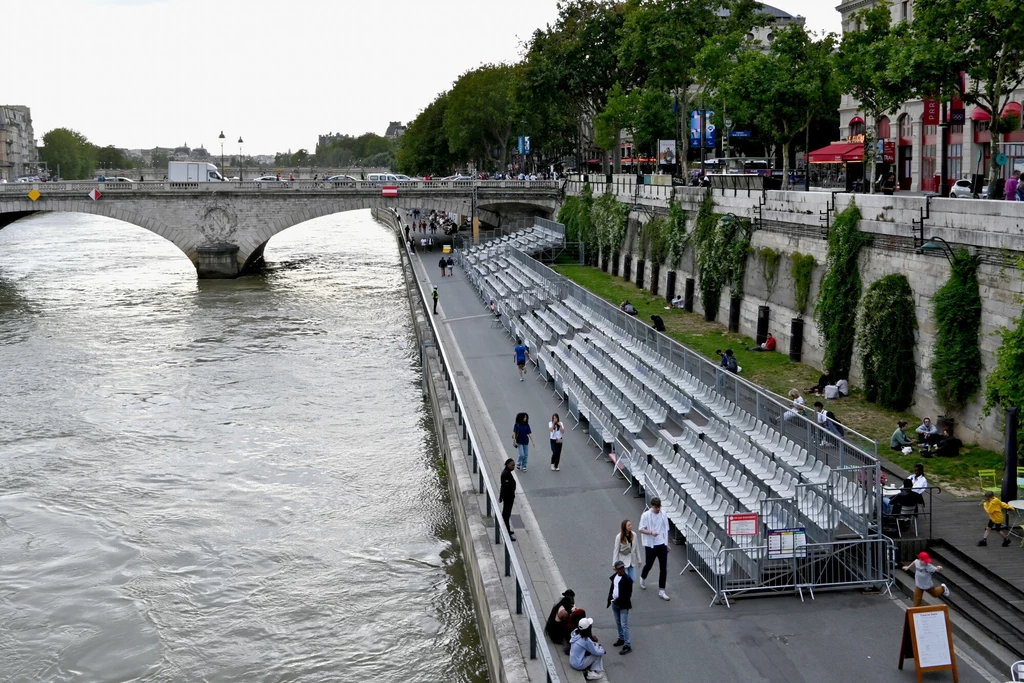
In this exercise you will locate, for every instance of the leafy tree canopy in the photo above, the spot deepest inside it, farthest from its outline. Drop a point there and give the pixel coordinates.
(68, 152)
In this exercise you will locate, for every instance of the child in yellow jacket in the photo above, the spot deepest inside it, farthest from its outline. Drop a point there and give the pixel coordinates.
(994, 507)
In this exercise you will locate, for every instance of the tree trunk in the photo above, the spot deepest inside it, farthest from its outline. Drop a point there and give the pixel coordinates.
(617, 152)
(785, 165)
(993, 171)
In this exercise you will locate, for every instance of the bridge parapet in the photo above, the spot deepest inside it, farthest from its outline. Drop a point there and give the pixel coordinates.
(223, 228)
(248, 186)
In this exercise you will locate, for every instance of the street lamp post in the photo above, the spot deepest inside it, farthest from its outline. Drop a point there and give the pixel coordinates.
(221, 137)
(239, 158)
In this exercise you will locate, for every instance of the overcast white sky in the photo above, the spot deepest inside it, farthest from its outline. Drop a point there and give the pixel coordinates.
(141, 73)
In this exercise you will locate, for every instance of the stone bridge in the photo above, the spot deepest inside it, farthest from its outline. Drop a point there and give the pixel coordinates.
(223, 228)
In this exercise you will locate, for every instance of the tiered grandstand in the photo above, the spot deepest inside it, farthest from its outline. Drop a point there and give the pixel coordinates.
(702, 439)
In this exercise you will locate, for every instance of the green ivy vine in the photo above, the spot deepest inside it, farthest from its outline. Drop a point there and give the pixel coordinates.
(768, 261)
(654, 240)
(611, 221)
(885, 334)
(839, 293)
(677, 236)
(722, 244)
(802, 272)
(576, 215)
(1004, 387)
(956, 363)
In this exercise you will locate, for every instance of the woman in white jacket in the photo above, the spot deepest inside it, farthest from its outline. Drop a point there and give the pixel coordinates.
(627, 549)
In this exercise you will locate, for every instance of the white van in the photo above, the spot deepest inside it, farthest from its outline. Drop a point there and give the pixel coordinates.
(381, 178)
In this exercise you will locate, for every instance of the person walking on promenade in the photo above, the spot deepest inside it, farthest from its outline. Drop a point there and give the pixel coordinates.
(443, 264)
(436, 297)
(556, 430)
(430, 244)
(522, 437)
(994, 507)
(451, 266)
(654, 534)
(924, 578)
(620, 595)
(522, 353)
(585, 653)
(507, 495)
(627, 549)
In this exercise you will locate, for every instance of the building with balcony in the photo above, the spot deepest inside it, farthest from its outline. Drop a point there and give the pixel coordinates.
(18, 153)
(913, 149)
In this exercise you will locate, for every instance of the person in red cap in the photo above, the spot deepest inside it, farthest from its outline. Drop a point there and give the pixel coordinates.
(924, 578)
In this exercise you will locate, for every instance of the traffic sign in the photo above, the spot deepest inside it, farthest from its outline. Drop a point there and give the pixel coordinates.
(95, 194)
(1001, 159)
(34, 194)
(740, 134)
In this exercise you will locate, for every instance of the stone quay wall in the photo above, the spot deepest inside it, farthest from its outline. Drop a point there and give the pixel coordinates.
(796, 222)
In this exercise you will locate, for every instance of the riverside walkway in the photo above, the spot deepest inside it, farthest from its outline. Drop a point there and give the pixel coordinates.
(571, 518)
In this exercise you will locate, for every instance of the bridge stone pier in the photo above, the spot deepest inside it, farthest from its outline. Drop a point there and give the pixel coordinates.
(223, 228)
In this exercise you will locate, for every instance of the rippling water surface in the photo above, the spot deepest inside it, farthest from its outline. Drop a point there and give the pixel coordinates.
(219, 480)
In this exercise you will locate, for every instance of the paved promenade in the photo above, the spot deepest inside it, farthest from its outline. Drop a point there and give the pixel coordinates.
(575, 514)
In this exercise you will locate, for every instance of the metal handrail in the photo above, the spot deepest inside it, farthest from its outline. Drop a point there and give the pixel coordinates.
(485, 486)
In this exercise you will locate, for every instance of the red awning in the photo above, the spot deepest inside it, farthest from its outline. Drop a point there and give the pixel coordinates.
(980, 114)
(856, 119)
(837, 153)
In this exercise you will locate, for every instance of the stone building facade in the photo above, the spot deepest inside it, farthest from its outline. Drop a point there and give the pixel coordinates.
(969, 149)
(18, 154)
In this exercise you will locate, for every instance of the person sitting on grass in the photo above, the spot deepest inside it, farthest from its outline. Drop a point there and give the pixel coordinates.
(677, 302)
(823, 382)
(994, 507)
(658, 323)
(948, 447)
(768, 345)
(728, 361)
(628, 308)
(927, 433)
(900, 440)
(797, 407)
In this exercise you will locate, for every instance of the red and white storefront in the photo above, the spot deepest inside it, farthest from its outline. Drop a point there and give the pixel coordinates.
(969, 148)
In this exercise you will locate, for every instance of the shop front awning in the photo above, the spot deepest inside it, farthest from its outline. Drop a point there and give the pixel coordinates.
(856, 119)
(837, 153)
(980, 114)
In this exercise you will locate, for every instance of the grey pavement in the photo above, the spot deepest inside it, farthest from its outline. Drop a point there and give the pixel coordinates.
(839, 637)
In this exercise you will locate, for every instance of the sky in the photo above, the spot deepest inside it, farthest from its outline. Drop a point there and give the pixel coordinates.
(142, 73)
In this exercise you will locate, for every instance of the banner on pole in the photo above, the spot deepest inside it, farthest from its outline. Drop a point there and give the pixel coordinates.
(666, 152)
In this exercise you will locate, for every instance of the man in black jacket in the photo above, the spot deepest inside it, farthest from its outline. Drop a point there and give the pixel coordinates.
(507, 495)
(620, 595)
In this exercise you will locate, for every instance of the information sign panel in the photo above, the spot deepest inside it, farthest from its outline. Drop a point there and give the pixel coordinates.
(928, 640)
(744, 524)
(785, 544)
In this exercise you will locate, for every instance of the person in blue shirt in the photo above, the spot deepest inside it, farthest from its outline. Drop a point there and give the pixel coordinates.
(522, 355)
(522, 437)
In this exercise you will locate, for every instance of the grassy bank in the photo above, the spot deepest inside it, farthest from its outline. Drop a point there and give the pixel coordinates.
(775, 372)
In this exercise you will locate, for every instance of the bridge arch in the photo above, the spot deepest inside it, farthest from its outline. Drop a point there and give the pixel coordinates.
(119, 211)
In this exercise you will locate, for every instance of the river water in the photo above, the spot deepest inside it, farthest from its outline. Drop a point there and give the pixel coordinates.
(219, 480)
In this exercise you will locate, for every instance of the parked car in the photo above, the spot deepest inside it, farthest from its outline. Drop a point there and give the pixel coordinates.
(962, 190)
(341, 179)
(116, 179)
(267, 179)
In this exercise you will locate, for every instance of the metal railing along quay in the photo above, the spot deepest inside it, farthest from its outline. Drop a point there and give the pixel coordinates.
(513, 564)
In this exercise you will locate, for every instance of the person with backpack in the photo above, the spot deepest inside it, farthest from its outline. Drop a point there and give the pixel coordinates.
(828, 420)
(451, 266)
(729, 361)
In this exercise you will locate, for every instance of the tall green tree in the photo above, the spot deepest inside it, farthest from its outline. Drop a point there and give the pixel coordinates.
(112, 157)
(575, 62)
(424, 150)
(685, 47)
(983, 39)
(865, 68)
(480, 115)
(782, 90)
(70, 152)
